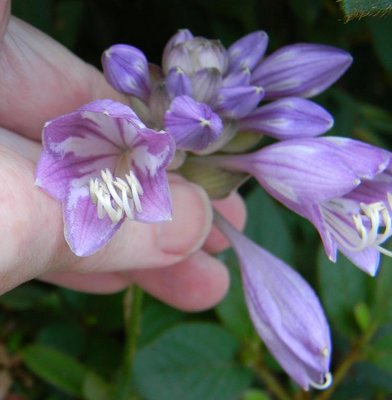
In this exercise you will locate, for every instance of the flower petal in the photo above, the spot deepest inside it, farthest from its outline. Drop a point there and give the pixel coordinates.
(301, 69)
(205, 83)
(178, 83)
(155, 201)
(126, 69)
(55, 176)
(246, 52)
(193, 125)
(366, 160)
(288, 118)
(367, 260)
(84, 231)
(237, 102)
(181, 36)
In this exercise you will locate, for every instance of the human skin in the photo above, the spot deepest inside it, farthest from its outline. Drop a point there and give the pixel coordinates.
(39, 80)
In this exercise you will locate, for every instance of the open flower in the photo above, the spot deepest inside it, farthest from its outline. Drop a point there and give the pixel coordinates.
(104, 165)
(285, 311)
(343, 186)
(228, 84)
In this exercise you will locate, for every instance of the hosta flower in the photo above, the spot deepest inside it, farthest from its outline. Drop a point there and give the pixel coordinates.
(285, 311)
(343, 186)
(228, 85)
(104, 165)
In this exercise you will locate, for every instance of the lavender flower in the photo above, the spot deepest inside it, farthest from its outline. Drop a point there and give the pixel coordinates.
(285, 311)
(341, 185)
(103, 164)
(229, 85)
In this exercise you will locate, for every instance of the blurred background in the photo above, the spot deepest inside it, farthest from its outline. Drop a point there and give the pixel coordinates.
(60, 344)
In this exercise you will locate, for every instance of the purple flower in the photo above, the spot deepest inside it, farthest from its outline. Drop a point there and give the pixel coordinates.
(285, 311)
(103, 164)
(193, 125)
(302, 69)
(232, 82)
(343, 186)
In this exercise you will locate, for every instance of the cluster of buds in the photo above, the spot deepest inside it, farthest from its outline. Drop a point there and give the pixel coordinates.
(204, 114)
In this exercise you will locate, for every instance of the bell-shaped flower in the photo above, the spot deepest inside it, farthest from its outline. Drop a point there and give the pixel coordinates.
(343, 186)
(285, 311)
(193, 125)
(126, 69)
(288, 118)
(302, 69)
(104, 165)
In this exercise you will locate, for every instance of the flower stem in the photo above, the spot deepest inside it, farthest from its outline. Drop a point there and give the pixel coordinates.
(273, 385)
(132, 316)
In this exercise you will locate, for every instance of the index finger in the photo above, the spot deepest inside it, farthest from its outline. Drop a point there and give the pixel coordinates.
(40, 79)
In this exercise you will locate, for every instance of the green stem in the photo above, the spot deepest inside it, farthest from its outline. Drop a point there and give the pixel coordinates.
(273, 385)
(353, 356)
(132, 316)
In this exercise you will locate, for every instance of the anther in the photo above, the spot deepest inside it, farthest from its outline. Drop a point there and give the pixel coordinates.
(114, 197)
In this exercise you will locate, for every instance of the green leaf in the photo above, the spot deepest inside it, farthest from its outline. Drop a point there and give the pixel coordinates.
(343, 287)
(266, 225)
(381, 29)
(95, 388)
(364, 8)
(55, 367)
(382, 309)
(190, 362)
(68, 20)
(57, 335)
(156, 318)
(380, 353)
(255, 394)
(232, 309)
(24, 297)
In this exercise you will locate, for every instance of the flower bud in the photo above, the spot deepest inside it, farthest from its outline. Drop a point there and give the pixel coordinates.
(285, 311)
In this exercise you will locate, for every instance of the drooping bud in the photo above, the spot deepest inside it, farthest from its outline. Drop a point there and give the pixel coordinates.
(285, 311)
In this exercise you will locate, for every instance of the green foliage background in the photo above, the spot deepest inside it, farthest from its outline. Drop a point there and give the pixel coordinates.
(59, 344)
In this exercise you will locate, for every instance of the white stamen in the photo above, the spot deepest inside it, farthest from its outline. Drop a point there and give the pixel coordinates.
(371, 226)
(116, 196)
(326, 384)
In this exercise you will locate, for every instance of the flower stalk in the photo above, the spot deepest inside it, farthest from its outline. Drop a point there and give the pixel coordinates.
(133, 300)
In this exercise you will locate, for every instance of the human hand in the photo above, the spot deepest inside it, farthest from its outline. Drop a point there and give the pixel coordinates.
(39, 80)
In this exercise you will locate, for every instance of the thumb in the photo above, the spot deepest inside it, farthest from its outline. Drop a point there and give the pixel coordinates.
(5, 8)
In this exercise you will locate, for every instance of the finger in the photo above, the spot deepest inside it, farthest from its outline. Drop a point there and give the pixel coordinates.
(5, 7)
(40, 79)
(195, 284)
(233, 208)
(32, 230)
(25, 147)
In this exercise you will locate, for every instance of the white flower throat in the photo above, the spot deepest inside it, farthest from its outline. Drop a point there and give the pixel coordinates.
(117, 196)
